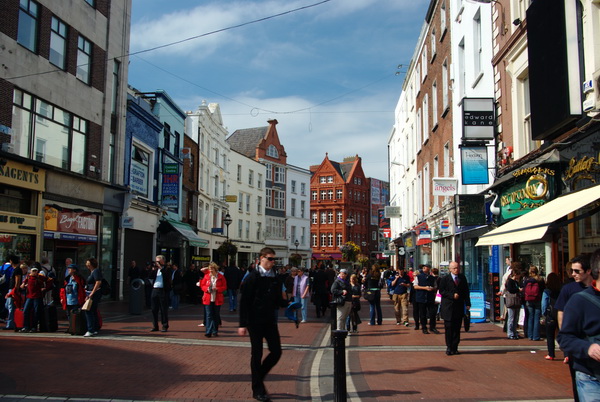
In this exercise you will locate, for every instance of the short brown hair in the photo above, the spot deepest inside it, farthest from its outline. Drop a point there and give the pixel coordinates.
(265, 251)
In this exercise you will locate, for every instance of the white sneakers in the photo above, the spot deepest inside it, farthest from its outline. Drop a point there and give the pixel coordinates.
(88, 334)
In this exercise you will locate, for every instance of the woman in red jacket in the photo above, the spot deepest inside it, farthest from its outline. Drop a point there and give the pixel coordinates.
(213, 285)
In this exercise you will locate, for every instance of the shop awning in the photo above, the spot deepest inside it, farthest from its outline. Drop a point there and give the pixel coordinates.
(534, 224)
(186, 231)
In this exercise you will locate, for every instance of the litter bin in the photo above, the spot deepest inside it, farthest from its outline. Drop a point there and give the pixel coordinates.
(136, 298)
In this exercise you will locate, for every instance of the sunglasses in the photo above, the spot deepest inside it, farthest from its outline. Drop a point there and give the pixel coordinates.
(270, 258)
(577, 271)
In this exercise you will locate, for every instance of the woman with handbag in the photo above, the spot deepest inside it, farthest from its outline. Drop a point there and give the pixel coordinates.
(356, 292)
(342, 295)
(550, 317)
(372, 284)
(513, 300)
(213, 285)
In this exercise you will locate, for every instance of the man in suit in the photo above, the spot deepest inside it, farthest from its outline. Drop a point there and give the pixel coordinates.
(261, 295)
(161, 278)
(454, 289)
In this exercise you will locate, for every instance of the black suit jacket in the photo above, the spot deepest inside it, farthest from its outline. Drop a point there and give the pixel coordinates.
(167, 274)
(454, 309)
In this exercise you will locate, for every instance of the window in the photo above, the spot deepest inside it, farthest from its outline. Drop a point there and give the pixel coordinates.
(330, 240)
(240, 201)
(445, 86)
(293, 207)
(442, 20)
(323, 194)
(433, 44)
(269, 171)
(339, 240)
(216, 183)
(239, 173)
(269, 199)
(251, 178)
(340, 217)
(58, 137)
(525, 143)
(315, 218)
(425, 118)
(247, 230)
(302, 188)
(91, 2)
(279, 200)
(248, 203)
(260, 179)
(279, 174)
(314, 239)
(139, 171)
(330, 217)
(302, 208)
(323, 179)
(58, 43)
(27, 34)
(201, 178)
(258, 230)
(424, 64)
(259, 205)
(84, 59)
(329, 179)
(240, 228)
(313, 195)
(339, 194)
(323, 217)
(323, 240)
(434, 109)
(462, 75)
(302, 236)
(477, 49)
(217, 157)
(293, 234)
(272, 151)
(116, 84)
(330, 194)
(294, 186)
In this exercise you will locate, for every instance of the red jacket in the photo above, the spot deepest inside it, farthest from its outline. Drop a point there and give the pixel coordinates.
(221, 287)
(80, 292)
(35, 286)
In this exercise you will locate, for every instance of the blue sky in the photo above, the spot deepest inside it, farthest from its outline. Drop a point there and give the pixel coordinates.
(327, 73)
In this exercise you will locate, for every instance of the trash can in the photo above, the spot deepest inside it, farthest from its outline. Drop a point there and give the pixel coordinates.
(137, 296)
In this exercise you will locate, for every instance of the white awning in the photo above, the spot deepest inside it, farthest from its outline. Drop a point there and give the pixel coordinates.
(534, 225)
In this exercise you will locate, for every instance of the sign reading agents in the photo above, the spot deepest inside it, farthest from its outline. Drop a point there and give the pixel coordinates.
(444, 186)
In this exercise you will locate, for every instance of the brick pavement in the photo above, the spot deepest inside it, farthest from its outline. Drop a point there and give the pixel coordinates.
(386, 362)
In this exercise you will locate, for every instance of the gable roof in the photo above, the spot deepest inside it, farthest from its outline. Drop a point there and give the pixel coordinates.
(245, 141)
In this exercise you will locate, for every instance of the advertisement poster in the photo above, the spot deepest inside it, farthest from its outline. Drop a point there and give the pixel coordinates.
(474, 165)
(170, 186)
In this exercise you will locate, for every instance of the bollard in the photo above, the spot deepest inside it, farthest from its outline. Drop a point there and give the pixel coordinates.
(339, 366)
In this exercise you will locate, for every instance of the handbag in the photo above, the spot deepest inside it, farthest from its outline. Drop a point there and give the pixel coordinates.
(339, 300)
(438, 298)
(369, 295)
(87, 306)
(513, 300)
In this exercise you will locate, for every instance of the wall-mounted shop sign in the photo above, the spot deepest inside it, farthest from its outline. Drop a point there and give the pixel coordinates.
(474, 165)
(470, 209)
(18, 223)
(67, 224)
(531, 192)
(170, 186)
(444, 186)
(581, 170)
(21, 175)
(478, 118)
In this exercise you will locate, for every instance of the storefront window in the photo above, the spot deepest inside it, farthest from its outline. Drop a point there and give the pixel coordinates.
(107, 254)
(17, 200)
(588, 232)
(533, 254)
(23, 246)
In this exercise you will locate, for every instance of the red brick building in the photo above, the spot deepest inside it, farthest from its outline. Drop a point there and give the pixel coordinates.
(339, 207)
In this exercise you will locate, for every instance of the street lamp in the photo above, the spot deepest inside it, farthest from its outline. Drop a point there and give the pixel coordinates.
(227, 221)
(350, 222)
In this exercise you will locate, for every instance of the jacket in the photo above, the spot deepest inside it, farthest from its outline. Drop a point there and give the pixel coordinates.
(339, 286)
(260, 297)
(80, 292)
(451, 308)
(221, 286)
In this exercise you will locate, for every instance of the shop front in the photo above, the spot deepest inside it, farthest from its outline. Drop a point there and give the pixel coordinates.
(20, 210)
(178, 241)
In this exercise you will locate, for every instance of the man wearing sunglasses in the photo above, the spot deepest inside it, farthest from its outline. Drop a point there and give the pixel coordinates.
(581, 269)
(261, 295)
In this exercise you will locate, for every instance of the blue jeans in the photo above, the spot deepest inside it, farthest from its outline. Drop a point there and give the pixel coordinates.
(174, 300)
(512, 321)
(91, 317)
(232, 294)
(10, 319)
(375, 309)
(588, 387)
(211, 312)
(304, 303)
(36, 305)
(534, 310)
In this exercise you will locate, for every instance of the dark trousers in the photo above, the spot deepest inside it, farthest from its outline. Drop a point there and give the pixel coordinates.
(452, 333)
(550, 336)
(416, 313)
(159, 302)
(427, 311)
(259, 367)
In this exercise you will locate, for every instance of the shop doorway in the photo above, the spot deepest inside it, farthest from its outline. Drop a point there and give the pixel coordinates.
(60, 255)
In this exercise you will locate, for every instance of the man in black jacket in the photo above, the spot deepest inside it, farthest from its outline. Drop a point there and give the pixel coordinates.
(454, 289)
(261, 296)
(160, 277)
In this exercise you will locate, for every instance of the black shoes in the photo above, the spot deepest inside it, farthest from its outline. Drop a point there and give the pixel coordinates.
(208, 335)
(164, 329)
(425, 331)
(262, 397)
(154, 330)
(452, 352)
(435, 331)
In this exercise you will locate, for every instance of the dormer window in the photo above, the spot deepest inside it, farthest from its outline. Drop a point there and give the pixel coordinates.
(272, 151)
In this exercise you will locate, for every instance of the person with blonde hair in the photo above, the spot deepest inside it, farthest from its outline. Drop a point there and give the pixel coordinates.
(213, 285)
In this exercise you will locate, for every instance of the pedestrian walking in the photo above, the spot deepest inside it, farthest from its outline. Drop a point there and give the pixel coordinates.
(454, 289)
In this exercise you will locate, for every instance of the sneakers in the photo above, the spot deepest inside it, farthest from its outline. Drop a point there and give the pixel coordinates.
(548, 357)
(406, 324)
(88, 334)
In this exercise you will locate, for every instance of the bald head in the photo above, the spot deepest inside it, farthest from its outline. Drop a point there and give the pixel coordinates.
(454, 268)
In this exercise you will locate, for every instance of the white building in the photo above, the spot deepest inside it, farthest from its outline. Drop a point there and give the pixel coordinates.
(247, 183)
(298, 209)
(205, 127)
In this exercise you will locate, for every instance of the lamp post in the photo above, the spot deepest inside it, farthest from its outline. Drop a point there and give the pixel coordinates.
(227, 221)
(350, 222)
(296, 243)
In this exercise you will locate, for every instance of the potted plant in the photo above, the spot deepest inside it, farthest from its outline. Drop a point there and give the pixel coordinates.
(349, 251)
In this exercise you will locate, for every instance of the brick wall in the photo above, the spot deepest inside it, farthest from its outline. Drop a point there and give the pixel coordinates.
(9, 18)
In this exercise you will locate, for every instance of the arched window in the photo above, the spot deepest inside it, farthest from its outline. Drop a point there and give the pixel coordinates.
(272, 151)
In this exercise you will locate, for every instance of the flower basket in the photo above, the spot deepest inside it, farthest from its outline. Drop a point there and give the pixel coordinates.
(227, 249)
(295, 260)
(349, 251)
